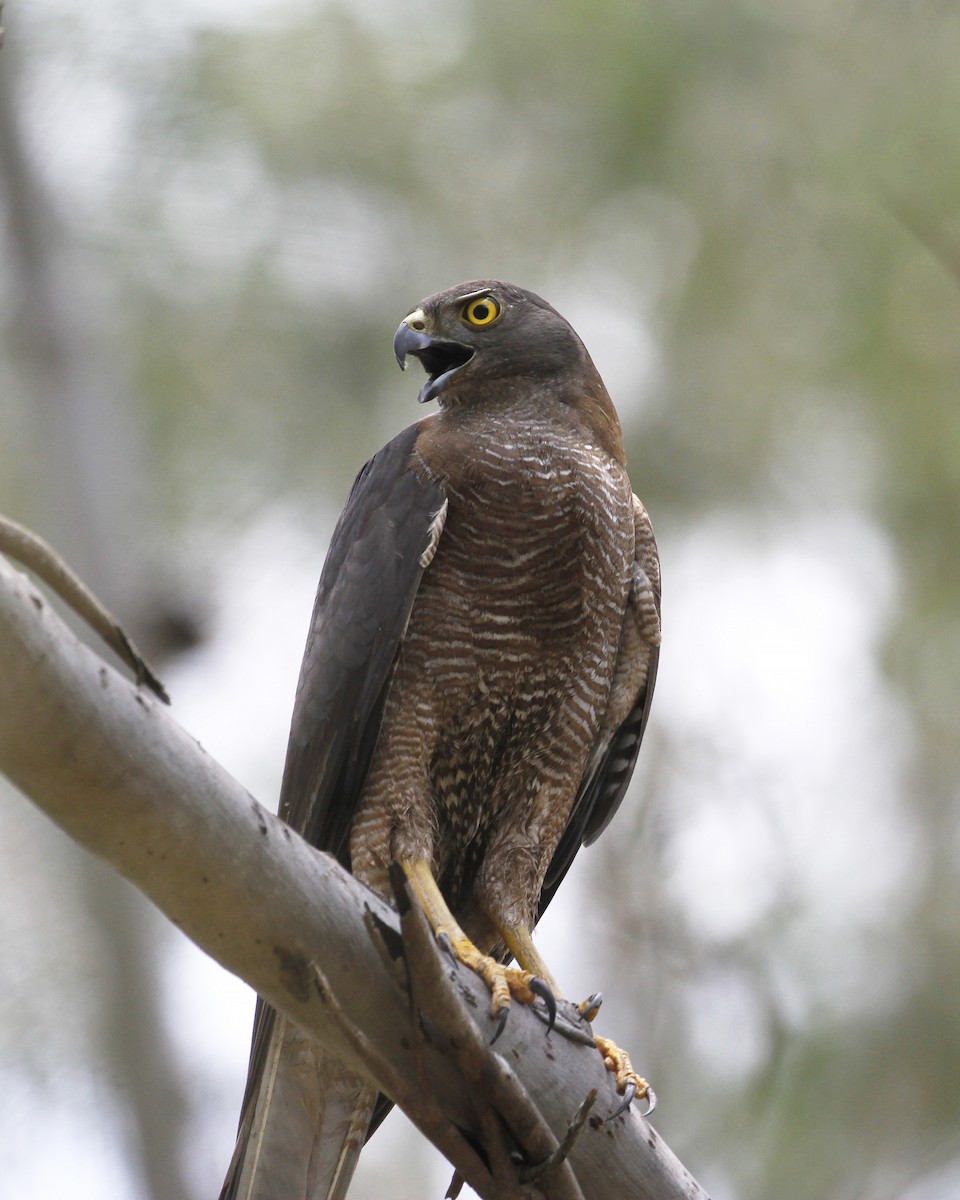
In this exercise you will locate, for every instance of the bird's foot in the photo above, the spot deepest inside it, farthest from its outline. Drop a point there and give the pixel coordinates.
(506, 984)
(629, 1084)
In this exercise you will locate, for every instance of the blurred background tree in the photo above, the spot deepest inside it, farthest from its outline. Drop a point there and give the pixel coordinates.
(214, 216)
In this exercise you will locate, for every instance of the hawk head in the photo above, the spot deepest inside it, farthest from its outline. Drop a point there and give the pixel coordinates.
(487, 332)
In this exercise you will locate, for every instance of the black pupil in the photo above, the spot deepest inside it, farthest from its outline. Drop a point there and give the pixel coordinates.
(481, 311)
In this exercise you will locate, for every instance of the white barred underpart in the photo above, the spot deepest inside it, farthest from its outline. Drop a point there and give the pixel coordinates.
(506, 669)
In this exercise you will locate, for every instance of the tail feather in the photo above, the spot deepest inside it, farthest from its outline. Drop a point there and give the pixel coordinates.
(303, 1126)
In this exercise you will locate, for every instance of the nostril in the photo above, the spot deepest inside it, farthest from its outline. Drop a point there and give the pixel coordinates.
(418, 325)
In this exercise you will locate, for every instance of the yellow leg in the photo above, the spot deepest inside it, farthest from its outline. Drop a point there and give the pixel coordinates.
(417, 870)
(504, 982)
(520, 944)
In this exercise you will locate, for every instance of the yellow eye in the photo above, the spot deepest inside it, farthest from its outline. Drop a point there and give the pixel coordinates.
(484, 310)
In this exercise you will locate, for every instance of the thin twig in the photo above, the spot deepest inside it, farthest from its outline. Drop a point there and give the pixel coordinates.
(541, 1171)
(39, 557)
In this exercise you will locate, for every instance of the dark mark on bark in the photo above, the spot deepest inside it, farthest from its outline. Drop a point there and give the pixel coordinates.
(295, 974)
(391, 939)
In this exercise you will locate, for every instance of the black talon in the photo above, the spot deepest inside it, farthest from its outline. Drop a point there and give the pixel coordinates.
(443, 941)
(589, 1008)
(501, 1022)
(539, 988)
(629, 1095)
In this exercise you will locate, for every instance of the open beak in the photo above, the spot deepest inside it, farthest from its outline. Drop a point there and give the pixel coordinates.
(440, 359)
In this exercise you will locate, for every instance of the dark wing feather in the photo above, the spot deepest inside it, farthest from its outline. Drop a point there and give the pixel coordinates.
(609, 785)
(366, 591)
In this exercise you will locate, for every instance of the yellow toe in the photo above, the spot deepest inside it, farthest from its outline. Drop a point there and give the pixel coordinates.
(627, 1080)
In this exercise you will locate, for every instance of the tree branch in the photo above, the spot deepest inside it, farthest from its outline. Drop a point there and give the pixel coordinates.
(105, 762)
(37, 556)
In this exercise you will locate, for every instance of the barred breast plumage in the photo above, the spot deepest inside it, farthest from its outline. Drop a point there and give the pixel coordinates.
(506, 664)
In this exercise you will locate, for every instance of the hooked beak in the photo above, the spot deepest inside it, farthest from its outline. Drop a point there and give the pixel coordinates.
(440, 359)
